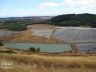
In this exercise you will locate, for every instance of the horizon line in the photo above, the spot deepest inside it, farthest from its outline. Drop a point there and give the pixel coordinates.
(42, 15)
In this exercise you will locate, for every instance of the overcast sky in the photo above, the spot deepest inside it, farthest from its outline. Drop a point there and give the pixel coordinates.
(11, 8)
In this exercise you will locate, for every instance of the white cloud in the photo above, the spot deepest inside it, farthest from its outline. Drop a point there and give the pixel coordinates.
(48, 5)
(74, 3)
(53, 8)
(80, 6)
(70, 4)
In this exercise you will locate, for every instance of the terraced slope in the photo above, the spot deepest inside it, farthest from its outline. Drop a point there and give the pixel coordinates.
(26, 36)
(5, 34)
(80, 35)
(76, 34)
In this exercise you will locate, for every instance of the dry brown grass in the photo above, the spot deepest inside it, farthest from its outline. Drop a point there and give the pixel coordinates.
(39, 63)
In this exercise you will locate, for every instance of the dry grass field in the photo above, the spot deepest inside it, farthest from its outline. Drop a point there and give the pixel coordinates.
(46, 63)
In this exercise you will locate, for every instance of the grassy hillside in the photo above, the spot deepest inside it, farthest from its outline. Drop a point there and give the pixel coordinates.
(38, 63)
(15, 26)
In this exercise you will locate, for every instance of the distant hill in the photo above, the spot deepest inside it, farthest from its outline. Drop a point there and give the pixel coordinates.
(74, 20)
(24, 20)
(20, 23)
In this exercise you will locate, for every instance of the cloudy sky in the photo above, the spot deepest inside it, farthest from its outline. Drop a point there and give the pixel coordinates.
(11, 8)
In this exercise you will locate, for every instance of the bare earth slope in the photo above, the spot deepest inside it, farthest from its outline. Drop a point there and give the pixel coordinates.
(26, 36)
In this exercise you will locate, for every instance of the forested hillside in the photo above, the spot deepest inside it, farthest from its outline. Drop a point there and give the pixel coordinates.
(74, 20)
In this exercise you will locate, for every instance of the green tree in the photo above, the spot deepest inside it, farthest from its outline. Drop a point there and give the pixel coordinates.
(32, 49)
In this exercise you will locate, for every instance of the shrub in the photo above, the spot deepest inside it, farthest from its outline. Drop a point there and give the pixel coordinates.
(32, 49)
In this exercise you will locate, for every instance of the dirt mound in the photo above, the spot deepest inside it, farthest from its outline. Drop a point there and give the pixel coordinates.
(40, 26)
